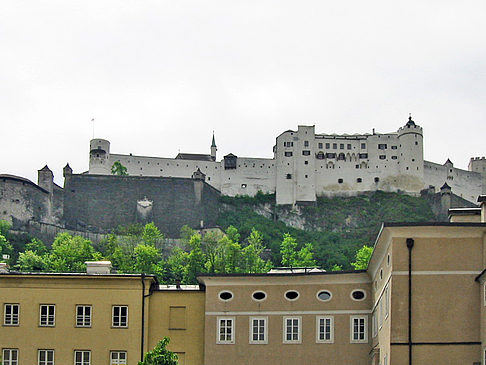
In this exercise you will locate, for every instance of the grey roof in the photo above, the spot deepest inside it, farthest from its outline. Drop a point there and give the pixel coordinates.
(193, 156)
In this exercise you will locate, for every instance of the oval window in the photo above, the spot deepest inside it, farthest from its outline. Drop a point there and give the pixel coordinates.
(259, 295)
(225, 296)
(291, 294)
(324, 295)
(358, 295)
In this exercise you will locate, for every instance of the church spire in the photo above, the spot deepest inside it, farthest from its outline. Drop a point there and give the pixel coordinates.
(213, 144)
(213, 149)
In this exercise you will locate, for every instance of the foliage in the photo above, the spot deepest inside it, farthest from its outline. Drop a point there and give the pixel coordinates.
(36, 246)
(147, 260)
(4, 228)
(118, 169)
(5, 248)
(336, 267)
(363, 256)
(30, 261)
(151, 234)
(69, 253)
(288, 251)
(160, 355)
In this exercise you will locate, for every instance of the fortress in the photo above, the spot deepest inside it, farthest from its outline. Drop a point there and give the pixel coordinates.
(307, 165)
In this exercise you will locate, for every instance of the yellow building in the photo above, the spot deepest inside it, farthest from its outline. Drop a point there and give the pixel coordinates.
(421, 301)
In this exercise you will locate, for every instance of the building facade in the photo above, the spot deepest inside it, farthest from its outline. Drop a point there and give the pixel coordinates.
(307, 165)
(421, 301)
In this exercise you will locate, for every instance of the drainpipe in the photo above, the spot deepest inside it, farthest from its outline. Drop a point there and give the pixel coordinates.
(410, 243)
(142, 342)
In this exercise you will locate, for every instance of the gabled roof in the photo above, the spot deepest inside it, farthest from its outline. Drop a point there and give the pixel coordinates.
(193, 156)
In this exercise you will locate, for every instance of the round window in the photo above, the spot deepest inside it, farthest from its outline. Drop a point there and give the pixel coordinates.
(324, 295)
(225, 296)
(358, 294)
(291, 295)
(259, 295)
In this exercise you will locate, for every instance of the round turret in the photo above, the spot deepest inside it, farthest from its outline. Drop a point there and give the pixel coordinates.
(99, 157)
(411, 155)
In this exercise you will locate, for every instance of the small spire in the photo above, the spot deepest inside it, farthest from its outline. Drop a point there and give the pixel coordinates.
(410, 122)
(213, 144)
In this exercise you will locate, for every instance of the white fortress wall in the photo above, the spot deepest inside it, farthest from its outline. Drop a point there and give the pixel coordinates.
(466, 184)
(250, 176)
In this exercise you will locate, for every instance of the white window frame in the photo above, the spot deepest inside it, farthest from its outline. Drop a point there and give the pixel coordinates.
(48, 320)
(84, 353)
(352, 319)
(10, 361)
(265, 331)
(318, 329)
(11, 319)
(118, 323)
(46, 360)
(115, 358)
(229, 339)
(83, 320)
(299, 329)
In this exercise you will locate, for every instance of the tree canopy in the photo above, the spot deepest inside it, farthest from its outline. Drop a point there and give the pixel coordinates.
(160, 355)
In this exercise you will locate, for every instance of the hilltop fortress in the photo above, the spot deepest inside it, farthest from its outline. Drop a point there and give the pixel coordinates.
(307, 165)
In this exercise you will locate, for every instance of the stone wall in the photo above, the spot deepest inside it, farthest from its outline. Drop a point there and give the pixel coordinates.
(99, 203)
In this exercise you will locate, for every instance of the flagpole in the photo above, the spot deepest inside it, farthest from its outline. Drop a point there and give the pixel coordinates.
(92, 119)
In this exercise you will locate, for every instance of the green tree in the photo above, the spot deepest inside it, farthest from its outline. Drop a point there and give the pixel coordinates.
(233, 234)
(68, 253)
(151, 234)
(210, 246)
(4, 228)
(5, 248)
(186, 233)
(175, 265)
(336, 267)
(118, 169)
(160, 355)
(305, 257)
(363, 256)
(147, 260)
(29, 261)
(36, 246)
(195, 261)
(251, 254)
(288, 251)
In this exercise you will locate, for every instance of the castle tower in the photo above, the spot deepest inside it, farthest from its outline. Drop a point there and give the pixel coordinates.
(213, 149)
(411, 157)
(67, 171)
(99, 157)
(478, 164)
(45, 179)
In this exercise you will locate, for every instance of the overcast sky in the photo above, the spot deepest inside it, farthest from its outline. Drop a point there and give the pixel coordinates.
(160, 76)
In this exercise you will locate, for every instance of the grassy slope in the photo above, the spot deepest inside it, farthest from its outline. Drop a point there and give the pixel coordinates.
(337, 227)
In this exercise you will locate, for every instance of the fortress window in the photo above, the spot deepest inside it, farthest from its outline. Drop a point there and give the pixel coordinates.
(330, 155)
(328, 145)
(358, 180)
(319, 145)
(363, 155)
(306, 176)
(306, 162)
(340, 181)
(393, 147)
(288, 176)
(306, 153)
(209, 178)
(377, 179)
(243, 186)
(382, 157)
(363, 146)
(341, 146)
(288, 154)
(382, 146)
(306, 143)
(349, 146)
(394, 157)
(320, 155)
(334, 145)
(357, 166)
(416, 143)
(342, 157)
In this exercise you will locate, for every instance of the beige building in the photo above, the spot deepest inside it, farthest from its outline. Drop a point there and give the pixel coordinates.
(421, 301)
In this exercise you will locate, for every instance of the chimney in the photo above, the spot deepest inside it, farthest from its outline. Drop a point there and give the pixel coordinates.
(482, 204)
(4, 268)
(98, 267)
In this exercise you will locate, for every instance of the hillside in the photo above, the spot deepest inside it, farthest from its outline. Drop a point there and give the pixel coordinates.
(337, 226)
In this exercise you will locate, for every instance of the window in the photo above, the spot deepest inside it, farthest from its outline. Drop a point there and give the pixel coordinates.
(259, 296)
(359, 333)
(288, 176)
(45, 357)
(258, 330)
(82, 357)
(291, 329)
(324, 295)
(328, 145)
(377, 179)
(363, 155)
(387, 301)
(83, 316)
(340, 181)
(120, 316)
(348, 146)
(226, 330)
(47, 315)
(334, 146)
(288, 144)
(325, 329)
(306, 162)
(306, 153)
(382, 146)
(382, 157)
(363, 146)
(306, 143)
(359, 180)
(225, 295)
(11, 314)
(118, 357)
(358, 294)
(393, 147)
(10, 356)
(288, 153)
(319, 145)
(394, 157)
(330, 155)
(341, 146)
(291, 295)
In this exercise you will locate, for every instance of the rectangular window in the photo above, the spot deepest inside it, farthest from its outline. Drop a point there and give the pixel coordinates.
(325, 329)
(330, 155)
(118, 357)
(226, 329)
(306, 153)
(83, 316)
(359, 330)
(341, 146)
(306, 143)
(288, 144)
(10, 356)
(291, 332)
(288, 176)
(363, 155)
(382, 157)
(328, 145)
(349, 146)
(394, 157)
(288, 153)
(393, 147)
(11, 314)
(82, 357)
(258, 330)
(363, 146)
(47, 315)
(334, 145)
(45, 357)
(120, 316)
(319, 145)
(382, 146)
